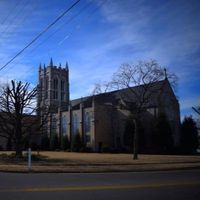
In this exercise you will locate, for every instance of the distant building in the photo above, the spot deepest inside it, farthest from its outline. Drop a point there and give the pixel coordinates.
(99, 119)
(30, 129)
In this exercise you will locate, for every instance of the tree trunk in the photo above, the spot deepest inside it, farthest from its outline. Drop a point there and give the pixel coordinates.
(18, 149)
(135, 140)
(18, 133)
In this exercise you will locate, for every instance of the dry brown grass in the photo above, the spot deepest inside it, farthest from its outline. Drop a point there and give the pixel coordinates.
(95, 162)
(107, 158)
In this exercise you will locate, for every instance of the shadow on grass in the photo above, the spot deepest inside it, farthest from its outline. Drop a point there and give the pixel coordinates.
(12, 157)
(36, 158)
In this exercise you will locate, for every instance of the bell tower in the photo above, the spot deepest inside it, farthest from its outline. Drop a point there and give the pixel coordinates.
(53, 88)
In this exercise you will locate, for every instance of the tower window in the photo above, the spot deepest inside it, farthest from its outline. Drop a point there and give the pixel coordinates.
(55, 94)
(53, 122)
(55, 83)
(47, 87)
(62, 85)
(55, 88)
(41, 83)
(62, 96)
(62, 88)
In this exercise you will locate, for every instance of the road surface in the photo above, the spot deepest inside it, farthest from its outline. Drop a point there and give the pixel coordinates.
(183, 185)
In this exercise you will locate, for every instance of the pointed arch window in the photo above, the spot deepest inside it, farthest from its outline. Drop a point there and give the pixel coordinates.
(41, 84)
(46, 87)
(62, 88)
(55, 83)
(75, 124)
(53, 122)
(87, 127)
(64, 125)
(87, 122)
(41, 94)
(55, 88)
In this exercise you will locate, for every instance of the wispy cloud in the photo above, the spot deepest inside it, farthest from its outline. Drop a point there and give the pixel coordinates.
(117, 32)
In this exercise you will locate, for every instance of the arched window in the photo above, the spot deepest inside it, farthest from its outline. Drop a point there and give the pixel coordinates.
(75, 125)
(62, 85)
(55, 88)
(41, 88)
(55, 83)
(53, 122)
(87, 122)
(64, 125)
(46, 87)
(41, 84)
(87, 127)
(62, 89)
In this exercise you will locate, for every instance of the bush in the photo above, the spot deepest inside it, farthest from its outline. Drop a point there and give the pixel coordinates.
(162, 136)
(45, 142)
(77, 143)
(189, 136)
(9, 144)
(106, 149)
(86, 149)
(54, 142)
(65, 144)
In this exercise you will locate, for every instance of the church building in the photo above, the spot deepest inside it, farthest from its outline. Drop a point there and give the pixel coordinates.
(100, 120)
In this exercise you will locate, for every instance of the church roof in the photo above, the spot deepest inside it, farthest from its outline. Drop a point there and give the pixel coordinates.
(128, 94)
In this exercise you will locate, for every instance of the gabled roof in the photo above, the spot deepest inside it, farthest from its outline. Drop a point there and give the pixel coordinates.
(128, 94)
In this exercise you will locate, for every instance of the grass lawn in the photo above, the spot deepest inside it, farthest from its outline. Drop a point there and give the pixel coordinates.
(95, 162)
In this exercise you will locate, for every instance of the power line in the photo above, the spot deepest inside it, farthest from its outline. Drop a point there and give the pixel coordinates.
(79, 26)
(25, 16)
(60, 27)
(88, 18)
(40, 34)
(71, 19)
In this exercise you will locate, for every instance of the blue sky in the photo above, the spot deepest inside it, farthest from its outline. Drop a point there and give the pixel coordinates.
(97, 36)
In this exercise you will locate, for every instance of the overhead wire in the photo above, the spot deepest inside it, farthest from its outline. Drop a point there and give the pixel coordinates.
(88, 18)
(58, 29)
(71, 19)
(30, 52)
(40, 34)
(68, 21)
(61, 26)
(25, 17)
(79, 26)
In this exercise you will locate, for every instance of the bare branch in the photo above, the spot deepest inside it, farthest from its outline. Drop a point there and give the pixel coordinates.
(197, 110)
(17, 106)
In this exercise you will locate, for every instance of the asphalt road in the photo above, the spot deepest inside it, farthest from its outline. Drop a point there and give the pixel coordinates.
(183, 185)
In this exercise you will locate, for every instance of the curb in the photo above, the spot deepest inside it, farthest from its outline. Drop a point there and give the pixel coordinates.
(101, 171)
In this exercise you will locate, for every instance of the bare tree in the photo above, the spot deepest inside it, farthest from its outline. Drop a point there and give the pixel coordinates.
(141, 81)
(17, 104)
(144, 75)
(101, 88)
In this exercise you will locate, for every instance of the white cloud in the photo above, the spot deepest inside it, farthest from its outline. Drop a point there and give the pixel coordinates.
(121, 31)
